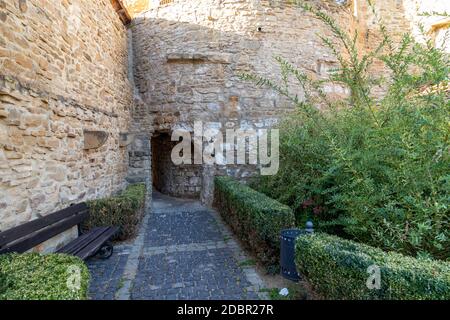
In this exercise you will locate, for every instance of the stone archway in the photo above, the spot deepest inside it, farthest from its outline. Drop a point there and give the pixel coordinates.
(183, 181)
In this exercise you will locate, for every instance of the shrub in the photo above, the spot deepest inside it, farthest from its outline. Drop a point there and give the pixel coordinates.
(33, 276)
(124, 210)
(338, 269)
(256, 218)
(370, 167)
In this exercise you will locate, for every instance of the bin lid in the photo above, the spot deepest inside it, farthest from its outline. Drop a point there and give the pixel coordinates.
(291, 233)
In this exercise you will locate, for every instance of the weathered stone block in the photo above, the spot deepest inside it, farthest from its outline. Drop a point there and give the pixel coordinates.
(94, 139)
(49, 92)
(11, 155)
(23, 61)
(34, 120)
(14, 117)
(125, 139)
(23, 6)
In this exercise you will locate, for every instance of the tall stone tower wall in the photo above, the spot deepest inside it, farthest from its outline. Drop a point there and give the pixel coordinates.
(189, 55)
(76, 120)
(64, 100)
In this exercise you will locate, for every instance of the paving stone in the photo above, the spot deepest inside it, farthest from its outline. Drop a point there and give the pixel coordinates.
(106, 275)
(181, 228)
(210, 275)
(179, 253)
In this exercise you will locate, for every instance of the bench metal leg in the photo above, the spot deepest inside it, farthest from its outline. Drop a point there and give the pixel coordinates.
(105, 251)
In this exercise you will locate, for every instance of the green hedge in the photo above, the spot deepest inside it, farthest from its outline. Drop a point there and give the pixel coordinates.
(33, 276)
(256, 218)
(124, 210)
(337, 269)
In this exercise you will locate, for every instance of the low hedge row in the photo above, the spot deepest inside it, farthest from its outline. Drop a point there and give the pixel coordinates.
(33, 276)
(255, 218)
(124, 210)
(338, 269)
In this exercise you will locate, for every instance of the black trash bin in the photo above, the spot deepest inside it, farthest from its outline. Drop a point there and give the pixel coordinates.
(288, 269)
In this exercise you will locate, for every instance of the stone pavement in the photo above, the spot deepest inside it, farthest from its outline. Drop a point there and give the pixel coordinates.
(183, 251)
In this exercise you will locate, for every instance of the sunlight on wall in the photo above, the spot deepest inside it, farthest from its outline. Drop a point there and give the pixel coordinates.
(135, 7)
(437, 26)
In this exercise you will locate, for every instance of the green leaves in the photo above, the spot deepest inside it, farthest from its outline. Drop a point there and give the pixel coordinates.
(377, 166)
(256, 218)
(124, 210)
(338, 269)
(33, 276)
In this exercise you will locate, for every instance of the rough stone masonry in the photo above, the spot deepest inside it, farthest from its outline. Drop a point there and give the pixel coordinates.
(65, 99)
(188, 56)
(87, 104)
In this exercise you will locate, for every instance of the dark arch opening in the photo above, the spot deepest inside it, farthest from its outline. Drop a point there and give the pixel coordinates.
(183, 181)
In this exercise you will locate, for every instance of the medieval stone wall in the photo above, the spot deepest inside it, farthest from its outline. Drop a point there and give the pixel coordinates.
(63, 73)
(188, 56)
(67, 80)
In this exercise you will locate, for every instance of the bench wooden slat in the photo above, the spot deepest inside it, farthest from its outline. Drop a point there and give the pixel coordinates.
(77, 243)
(37, 224)
(42, 235)
(81, 241)
(24, 237)
(93, 246)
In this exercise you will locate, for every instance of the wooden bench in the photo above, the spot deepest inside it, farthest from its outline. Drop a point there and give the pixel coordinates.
(26, 236)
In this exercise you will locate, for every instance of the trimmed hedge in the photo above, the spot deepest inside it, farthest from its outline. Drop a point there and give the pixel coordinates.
(32, 276)
(255, 218)
(124, 210)
(337, 269)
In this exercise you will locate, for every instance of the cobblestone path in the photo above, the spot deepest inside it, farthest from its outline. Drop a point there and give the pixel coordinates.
(183, 251)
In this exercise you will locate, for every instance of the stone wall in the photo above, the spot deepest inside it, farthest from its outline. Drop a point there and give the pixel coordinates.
(67, 82)
(188, 56)
(435, 26)
(63, 78)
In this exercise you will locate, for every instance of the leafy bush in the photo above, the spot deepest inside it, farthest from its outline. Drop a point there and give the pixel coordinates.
(369, 167)
(125, 210)
(33, 276)
(338, 269)
(256, 218)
